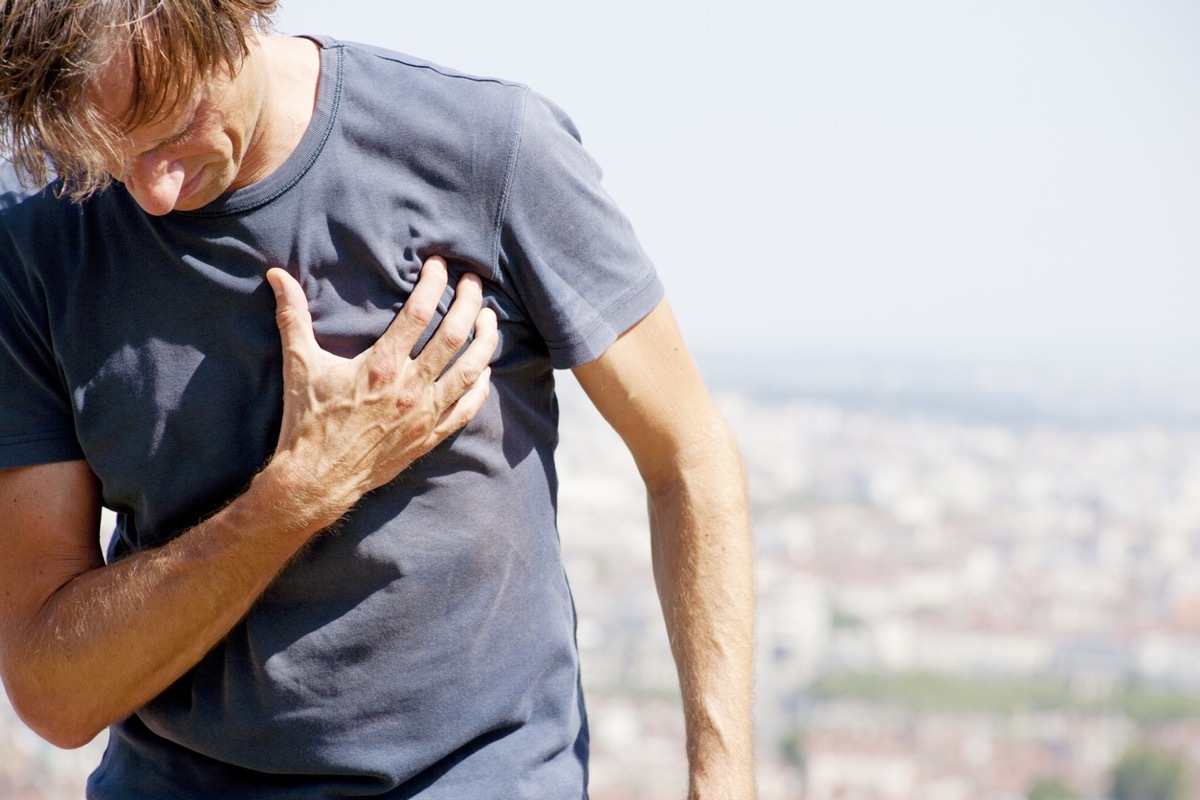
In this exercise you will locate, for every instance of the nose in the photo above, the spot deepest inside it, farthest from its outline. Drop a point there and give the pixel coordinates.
(155, 183)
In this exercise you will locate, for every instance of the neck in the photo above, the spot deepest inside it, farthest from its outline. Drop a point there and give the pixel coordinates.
(285, 72)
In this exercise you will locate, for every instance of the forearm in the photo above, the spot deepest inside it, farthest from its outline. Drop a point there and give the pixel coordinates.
(111, 638)
(703, 563)
(649, 389)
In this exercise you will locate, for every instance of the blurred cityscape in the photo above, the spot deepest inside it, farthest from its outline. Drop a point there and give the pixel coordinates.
(973, 585)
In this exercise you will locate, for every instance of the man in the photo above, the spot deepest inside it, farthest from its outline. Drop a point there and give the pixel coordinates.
(323, 584)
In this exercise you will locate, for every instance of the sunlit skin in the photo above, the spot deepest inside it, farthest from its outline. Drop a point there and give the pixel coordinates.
(236, 132)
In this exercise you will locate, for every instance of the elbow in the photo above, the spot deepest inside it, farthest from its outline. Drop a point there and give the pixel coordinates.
(709, 462)
(58, 720)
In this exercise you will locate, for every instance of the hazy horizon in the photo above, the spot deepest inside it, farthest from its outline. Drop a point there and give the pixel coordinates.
(992, 182)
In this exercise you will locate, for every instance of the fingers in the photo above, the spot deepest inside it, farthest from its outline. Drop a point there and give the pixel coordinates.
(416, 314)
(454, 329)
(465, 386)
(393, 348)
(292, 317)
(462, 410)
(470, 368)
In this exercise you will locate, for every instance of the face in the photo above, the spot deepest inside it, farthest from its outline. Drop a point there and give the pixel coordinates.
(186, 158)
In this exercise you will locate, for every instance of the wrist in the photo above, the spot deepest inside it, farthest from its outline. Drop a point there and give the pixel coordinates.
(734, 781)
(283, 493)
(721, 757)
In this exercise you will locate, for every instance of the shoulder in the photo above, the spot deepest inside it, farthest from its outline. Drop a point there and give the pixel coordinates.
(448, 128)
(44, 237)
(423, 86)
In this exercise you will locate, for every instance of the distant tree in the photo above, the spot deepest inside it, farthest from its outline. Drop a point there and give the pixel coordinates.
(1146, 774)
(1050, 789)
(793, 748)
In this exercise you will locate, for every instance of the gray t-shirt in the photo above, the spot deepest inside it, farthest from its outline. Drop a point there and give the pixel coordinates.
(426, 646)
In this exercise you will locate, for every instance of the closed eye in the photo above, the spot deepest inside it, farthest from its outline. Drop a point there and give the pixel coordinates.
(182, 136)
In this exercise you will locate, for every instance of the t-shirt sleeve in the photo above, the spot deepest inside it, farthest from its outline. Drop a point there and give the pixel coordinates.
(36, 424)
(580, 271)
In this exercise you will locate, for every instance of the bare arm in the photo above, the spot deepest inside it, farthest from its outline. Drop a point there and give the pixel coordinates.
(84, 644)
(648, 388)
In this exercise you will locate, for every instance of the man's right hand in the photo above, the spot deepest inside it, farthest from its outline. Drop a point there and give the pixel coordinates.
(84, 643)
(351, 425)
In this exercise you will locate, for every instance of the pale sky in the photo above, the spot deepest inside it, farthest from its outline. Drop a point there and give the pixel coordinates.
(1016, 179)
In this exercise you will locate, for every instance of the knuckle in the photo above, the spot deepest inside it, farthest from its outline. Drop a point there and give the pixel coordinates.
(474, 374)
(409, 398)
(381, 372)
(418, 314)
(454, 338)
(464, 379)
(285, 316)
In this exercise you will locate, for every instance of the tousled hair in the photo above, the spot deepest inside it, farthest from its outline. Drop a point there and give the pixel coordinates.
(52, 52)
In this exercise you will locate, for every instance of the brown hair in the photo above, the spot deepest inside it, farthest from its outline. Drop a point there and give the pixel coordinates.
(53, 51)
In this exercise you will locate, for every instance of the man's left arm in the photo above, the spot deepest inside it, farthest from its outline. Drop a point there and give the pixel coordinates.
(649, 389)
